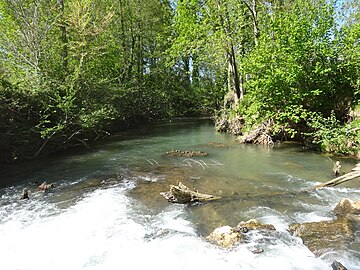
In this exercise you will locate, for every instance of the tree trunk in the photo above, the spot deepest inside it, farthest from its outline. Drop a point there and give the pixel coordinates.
(195, 74)
(127, 70)
(64, 38)
(255, 23)
(235, 79)
(253, 12)
(186, 61)
(233, 75)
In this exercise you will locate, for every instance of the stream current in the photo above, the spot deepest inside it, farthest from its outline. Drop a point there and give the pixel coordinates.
(106, 211)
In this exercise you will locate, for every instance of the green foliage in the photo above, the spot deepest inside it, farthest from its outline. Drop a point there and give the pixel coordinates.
(302, 72)
(330, 136)
(71, 71)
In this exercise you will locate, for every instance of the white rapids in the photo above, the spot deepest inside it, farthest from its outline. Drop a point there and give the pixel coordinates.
(106, 229)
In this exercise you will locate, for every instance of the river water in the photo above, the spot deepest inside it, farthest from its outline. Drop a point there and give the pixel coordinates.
(106, 212)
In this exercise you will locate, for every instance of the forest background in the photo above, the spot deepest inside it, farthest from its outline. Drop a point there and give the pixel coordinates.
(74, 71)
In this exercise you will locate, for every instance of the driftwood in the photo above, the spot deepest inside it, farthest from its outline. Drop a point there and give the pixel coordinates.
(183, 194)
(355, 173)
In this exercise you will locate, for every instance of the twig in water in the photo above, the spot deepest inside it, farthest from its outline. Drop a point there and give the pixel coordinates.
(150, 162)
(203, 162)
(331, 160)
(217, 162)
(155, 161)
(195, 161)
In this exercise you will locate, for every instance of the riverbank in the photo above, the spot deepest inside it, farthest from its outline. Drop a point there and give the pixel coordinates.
(327, 135)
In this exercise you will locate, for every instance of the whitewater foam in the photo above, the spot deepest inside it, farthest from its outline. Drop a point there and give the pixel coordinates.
(104, 230)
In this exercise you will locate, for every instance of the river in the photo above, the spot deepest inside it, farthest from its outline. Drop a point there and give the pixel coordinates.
(106, 212)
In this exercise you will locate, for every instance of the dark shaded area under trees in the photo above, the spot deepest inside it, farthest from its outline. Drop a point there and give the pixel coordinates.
(74, 71)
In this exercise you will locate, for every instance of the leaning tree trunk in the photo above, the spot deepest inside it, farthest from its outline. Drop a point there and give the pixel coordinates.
(355, 173)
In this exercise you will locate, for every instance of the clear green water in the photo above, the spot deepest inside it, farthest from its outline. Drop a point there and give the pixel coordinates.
(125, 176)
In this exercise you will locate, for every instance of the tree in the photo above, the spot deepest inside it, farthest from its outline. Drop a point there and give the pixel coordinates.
(298, 60)
(217, 33)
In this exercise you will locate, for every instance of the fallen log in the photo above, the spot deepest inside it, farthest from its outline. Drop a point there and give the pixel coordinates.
(355, 173)
(183, 194)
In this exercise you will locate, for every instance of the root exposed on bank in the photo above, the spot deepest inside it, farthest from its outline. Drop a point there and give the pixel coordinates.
(260, 135)
(225, 123)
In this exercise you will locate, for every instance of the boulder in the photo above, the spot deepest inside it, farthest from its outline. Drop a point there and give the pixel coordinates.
(337, 266)
(229, 237)
(320, 237)
(346, 207)
(225, 237)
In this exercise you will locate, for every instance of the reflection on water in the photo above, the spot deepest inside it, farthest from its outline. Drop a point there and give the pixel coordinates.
(106, 210)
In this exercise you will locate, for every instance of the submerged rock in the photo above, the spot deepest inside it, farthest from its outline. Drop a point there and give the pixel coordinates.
(215, 144)
(229, 237)
(192, 153)
(254, 224)
(347, 207)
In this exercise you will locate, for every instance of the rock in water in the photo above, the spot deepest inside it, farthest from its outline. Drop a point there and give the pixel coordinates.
(25, 194)
(320, 237)
(338, 266)
(228, 237)
(225, 237)
(254, 224)
(45, 186)
(346, 207)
